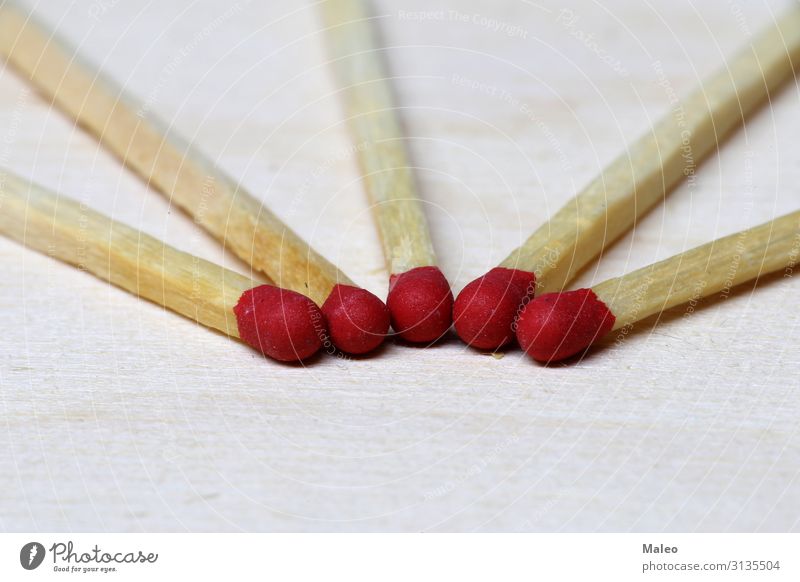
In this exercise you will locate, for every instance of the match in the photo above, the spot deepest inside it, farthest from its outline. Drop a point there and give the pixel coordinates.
(357, 320)
(281, 324)
(420, 301)
(556, 326)
(486, 309)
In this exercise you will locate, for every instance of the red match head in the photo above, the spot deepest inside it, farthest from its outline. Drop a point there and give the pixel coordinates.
(486, 310)
(357, 320)
(281, 324)
(559, 325)
(421, 304)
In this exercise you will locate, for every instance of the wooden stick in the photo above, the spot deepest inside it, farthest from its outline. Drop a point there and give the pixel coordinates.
(371, 115)
(638, 179)
(171, 166)
(558, 325)
(487, 308)
(357, 321)
(146, 267)
(703, 271)
(420, 301)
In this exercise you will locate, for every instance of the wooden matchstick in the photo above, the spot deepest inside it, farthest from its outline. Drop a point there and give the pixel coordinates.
(282, 324)
(357, 320)
(485, 310)
(420, 301)
(555, 326)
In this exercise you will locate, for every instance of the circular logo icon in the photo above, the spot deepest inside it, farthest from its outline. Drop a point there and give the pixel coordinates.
(31, 555)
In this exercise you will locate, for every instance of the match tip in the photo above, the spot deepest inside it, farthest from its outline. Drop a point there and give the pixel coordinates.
(281, 324)
(421, 304)
(559, 325)
(357, 320)
(485, 311)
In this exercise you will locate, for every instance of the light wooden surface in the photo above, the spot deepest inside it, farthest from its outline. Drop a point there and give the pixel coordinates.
(117, 415)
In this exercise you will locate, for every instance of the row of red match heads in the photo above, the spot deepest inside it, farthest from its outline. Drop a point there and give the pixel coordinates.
(487, 315)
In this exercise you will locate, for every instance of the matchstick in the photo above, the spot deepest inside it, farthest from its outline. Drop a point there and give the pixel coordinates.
(282, 324)
(420, 301)
(357, 320)
(486, 309)
(555, 326)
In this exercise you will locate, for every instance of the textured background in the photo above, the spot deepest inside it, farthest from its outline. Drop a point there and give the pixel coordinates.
(116, 415)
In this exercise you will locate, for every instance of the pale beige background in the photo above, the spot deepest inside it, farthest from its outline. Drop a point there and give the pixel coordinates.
(116, 415)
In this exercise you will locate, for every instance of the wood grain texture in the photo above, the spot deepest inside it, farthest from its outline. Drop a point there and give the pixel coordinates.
(371, 113)
(711, 268)
(118, 415)
(670, 152)
(166, 162)
(140, 264)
